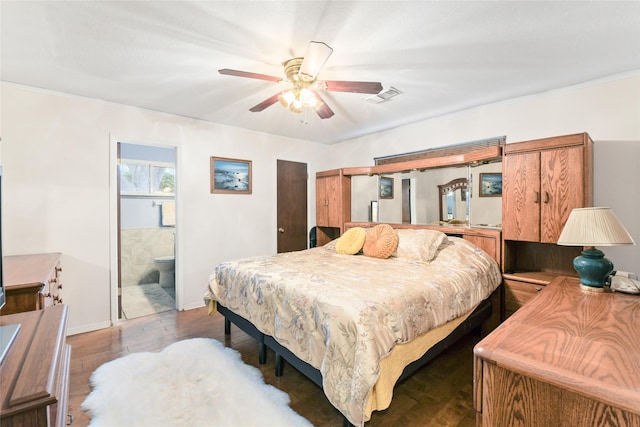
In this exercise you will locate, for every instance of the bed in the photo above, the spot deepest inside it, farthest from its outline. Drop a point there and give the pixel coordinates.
(353, 323)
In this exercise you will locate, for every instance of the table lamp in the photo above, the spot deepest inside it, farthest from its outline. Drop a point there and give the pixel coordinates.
(591, 227)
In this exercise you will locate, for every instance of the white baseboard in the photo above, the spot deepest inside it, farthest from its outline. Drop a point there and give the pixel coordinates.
(88, 328)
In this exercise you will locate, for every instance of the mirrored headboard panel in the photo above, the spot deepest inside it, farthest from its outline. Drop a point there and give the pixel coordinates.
(486, 193)
(410, 192)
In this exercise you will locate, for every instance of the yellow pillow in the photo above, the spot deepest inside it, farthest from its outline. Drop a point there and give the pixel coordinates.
(351, 241)
(381, 241)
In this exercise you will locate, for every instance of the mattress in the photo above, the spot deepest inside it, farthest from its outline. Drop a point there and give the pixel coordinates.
(344, 314)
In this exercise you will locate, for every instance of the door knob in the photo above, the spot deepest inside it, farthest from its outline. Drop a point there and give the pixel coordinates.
(280, 230)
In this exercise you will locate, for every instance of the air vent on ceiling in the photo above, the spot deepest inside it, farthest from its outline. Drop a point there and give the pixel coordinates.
(383, 96)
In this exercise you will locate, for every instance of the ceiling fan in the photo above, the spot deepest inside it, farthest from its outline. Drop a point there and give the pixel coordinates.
(302, 72)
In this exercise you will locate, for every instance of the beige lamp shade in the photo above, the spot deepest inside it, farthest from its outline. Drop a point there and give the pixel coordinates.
(594, 227)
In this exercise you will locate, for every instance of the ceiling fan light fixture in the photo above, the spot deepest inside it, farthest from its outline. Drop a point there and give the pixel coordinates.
(301, 73)
(297, 99)
(286, 98)
(308, 98)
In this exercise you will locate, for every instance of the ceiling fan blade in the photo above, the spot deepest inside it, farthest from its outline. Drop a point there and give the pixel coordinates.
(264, 104)
(323, 111)
(237, 73)
(315, 58)
(357, 87)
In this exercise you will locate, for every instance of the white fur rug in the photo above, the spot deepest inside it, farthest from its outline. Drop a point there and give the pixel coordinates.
(196, 382)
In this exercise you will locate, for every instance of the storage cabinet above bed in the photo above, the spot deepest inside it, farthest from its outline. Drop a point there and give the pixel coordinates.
(544, 180)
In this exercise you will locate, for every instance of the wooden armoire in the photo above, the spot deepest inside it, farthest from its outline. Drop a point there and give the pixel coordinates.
(333, 204)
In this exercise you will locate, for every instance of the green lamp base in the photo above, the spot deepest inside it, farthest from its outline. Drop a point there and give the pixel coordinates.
(593, 268)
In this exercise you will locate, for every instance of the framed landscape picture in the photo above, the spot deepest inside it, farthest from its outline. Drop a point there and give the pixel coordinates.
(490, 185)
(386, 188)
(230, 176)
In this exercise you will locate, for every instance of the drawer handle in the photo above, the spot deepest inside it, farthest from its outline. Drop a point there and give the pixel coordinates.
(538, 289)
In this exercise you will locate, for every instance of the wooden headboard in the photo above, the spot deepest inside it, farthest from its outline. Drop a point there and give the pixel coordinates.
(488, 239)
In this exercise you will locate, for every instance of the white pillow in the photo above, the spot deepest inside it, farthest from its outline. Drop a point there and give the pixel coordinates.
(419, 245)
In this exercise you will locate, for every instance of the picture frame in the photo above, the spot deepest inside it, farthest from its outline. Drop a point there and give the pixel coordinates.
(490, 184)
(230, 176)
(385, 188)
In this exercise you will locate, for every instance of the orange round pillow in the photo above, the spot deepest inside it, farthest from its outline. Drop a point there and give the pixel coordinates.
(381, 241)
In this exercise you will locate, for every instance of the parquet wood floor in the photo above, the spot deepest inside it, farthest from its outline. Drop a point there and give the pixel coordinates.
(440, 394)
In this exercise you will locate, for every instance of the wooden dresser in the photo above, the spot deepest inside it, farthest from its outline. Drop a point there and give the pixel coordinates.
(32, 282)
(568, 357)
(34, 375)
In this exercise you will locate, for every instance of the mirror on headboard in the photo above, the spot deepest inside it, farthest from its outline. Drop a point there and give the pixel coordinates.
(454, 202)
(485, 191)
(414, 196)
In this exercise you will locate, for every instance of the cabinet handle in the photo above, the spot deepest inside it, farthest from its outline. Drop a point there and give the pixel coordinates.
(280, 230)
(537, 198)
(546, 197)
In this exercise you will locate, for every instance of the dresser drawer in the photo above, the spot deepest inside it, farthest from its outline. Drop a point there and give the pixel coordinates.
(517, 293)
(32, 282)
(52, 291)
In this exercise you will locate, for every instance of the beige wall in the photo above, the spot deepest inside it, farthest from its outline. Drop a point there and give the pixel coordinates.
(609, 110)
(58, 155)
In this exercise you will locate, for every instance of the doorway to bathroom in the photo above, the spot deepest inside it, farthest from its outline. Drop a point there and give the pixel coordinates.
(146, 229)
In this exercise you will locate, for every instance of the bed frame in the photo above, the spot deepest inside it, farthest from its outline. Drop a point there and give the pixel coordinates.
(484, 318)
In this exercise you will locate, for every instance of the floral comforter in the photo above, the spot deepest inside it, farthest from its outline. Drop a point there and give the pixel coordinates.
(343, 313)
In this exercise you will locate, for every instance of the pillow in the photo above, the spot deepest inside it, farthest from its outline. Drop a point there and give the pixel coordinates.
(381, 241)
(331, 245)
(351, 241)
(419, 245)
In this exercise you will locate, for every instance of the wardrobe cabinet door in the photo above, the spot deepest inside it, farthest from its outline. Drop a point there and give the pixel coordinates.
(328, 202)
(562, 189)
(521, 197)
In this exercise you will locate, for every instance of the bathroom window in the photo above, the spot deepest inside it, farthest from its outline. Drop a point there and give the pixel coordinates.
(147, 178)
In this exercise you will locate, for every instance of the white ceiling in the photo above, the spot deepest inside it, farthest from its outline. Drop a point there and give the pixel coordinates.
(444, 56)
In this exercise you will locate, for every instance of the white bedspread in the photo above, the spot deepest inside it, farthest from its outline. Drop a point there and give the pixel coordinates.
(343, 313)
